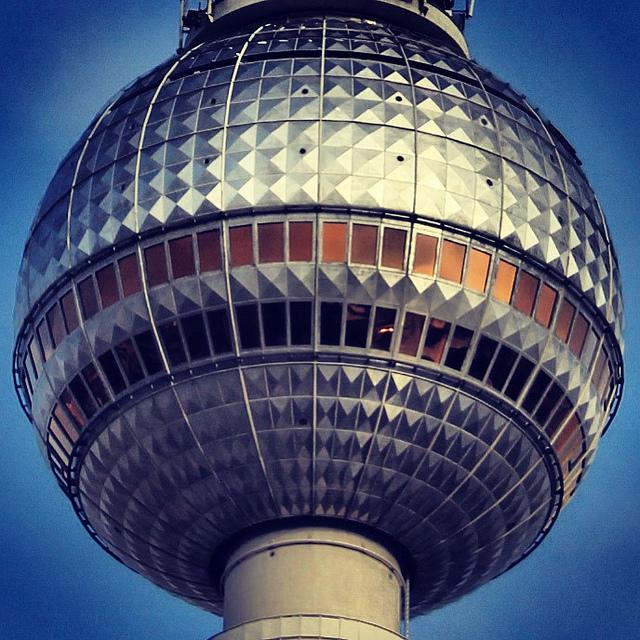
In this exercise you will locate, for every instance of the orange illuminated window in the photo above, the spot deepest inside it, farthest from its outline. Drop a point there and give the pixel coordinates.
(546, 305)
(156, 263)
(411, 333)
(69, 311)
(108, 285)
(300, 241)
(436, 340)
(424, 261)
(364, 244)
(578, 335)
(129, 275)
(565, 318)
(505, 278)
(334, 242)
(452, 261)
(525, 296)
(477, 270)
(209, 251)
(241, 245)
(271, 242)
(182, 257)
(393, 246)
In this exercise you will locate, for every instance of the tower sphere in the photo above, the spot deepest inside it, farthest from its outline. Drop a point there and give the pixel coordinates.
(320, 268)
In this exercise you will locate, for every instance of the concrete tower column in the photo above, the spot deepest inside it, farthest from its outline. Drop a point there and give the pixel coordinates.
(312, 582)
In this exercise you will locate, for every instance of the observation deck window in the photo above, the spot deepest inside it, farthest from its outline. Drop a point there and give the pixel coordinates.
(458, 348)
(63, 420)
(112, 372)
(219, 330)
(548, 404)
(88, 300)
(130, 275)
(334, 242)
(505, 279)
(44, 339)
(172, 342)
(72, 407)
(482, 358)
(546, 305)
(436, 340)
(357, 325)
(107, 286)
(301, 241)
(128, 358)
(411, 333)
(452, 261)
(274, 323)
(182, 257)
(271, 242)
(536, 391)
(156, 263)
(36, 356)
(209, 252)
(478, 270)
(248, 326)
(519, 379)
(241, 246)
(578, 335)
(565, 318)
(149, 353)
(424, 261)
(364, 244)
(82, 396)
(96, 386)
(195, 336)
(393, 248)
(330, 323)
(300, 319)
(502, 367)
(67, 302)
(526, 292)
(56, 324)
(383, 328)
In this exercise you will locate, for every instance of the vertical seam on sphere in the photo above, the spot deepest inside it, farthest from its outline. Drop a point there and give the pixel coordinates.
(323, 54)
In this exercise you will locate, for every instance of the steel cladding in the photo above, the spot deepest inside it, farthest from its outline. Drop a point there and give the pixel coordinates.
(318, 266)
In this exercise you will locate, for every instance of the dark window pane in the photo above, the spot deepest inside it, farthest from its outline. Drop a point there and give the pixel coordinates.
(477, 270)
(578, 335)
(565, 318)
(218, 321)
(357, 325)
(505, 278)
(525, 296)
(546, 305)
(195, 336)
(146, 343)
(130, 275)
(56, 325)
(458, 348)
(182, 258)
(156, 263)
(36, 356)
(112, 372)
(63, 419)
(274, 323)
(436, 340)
(393, 244)
(424, 261)
(334, 242)
(536, 391)
(95, 384)
(300, 318)
(248, 326)
(383, 327)
(107, 285)
(549, 403)
(564, 409)
(73, 408)
(241, 249)
(519, 378)
(172, 342)
(83, 397)
(45, 340)
(271, 242)
(364, 243)
(330, 323)
(301, 241)
(69, 311)
(502, 367)
(452, 261)
(482, 358)
(209, 251)
(88, 300)
(129, 361)
(411, 333)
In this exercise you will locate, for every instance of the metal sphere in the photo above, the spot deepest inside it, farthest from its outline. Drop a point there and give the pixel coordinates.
(318, 266)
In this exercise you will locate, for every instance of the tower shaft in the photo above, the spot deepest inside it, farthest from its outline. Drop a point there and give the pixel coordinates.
(312, 582)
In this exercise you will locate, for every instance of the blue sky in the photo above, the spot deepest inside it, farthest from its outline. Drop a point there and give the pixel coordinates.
(577, 61)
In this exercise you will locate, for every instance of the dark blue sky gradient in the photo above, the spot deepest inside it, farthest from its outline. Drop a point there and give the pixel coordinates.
(578, 61)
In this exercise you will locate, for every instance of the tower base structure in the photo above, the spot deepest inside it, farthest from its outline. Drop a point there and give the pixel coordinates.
(312, 582)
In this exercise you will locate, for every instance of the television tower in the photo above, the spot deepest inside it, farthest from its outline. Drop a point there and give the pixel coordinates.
(319, 324)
